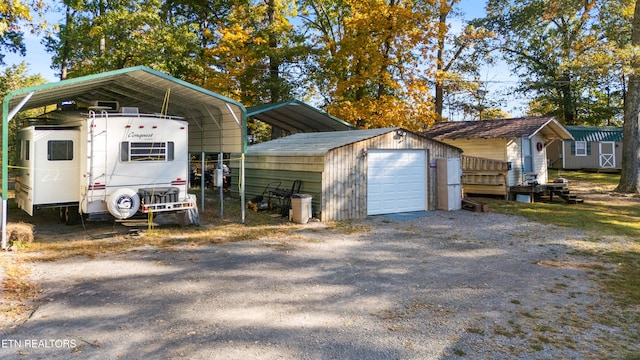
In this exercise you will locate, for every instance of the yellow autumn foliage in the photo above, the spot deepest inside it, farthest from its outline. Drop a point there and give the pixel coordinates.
(380, 65)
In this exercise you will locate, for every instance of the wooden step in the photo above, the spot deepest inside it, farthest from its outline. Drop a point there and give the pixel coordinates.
(472, 205)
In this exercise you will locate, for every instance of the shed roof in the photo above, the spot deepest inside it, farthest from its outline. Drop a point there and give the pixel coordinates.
(313, 144)
(548, 126)
(295, 117)
(596, 133)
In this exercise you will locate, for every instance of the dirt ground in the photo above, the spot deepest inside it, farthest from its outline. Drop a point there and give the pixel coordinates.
(429, 285)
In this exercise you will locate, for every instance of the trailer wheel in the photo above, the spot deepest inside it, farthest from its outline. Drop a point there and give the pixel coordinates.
(71, 216)
(123, 203)
(62, 213)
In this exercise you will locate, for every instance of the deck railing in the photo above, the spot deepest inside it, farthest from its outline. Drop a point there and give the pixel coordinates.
(484, 176)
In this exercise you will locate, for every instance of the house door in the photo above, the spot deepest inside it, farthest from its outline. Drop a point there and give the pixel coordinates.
(607, 151)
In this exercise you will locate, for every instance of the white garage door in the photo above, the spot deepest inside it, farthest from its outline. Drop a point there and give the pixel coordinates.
(396, 181)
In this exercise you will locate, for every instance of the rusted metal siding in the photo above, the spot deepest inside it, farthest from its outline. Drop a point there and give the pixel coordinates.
(345, 176)
(344, 183)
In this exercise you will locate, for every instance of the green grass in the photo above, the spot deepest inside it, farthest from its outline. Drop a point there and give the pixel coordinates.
(613, 225)
(601, 217)
(597, 179)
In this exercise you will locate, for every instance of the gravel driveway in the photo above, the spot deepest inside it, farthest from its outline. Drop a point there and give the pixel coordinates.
(442, 285)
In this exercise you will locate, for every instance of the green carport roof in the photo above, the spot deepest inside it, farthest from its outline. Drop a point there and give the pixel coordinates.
(297, 117)
(209, 114)
(216, 123)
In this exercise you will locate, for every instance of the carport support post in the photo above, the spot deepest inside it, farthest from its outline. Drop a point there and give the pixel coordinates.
(3, 215)
(220, 183)
(202, 164)
(6, 117)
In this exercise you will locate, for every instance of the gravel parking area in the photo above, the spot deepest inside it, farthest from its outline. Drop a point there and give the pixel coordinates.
(439, 285)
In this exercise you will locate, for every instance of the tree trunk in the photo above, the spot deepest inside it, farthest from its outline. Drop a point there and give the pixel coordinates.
(274, 65)
(630, 147)
(439, 98)
(568, 108)
(64, 56)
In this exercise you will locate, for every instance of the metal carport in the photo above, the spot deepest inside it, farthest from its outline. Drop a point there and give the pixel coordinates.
(297, 117)
(216, 124)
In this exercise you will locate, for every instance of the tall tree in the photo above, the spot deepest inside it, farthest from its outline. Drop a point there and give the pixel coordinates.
(101, 35)
(548, 43)
(204, 19)
(629, 179)
(443, 11)
(374, 57)
(458, 85)
(257, 50)
(324, 21)
(15, 15)
(15, 77)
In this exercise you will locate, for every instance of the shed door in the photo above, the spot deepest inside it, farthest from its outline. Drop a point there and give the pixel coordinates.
(396, 181)
(607, 154)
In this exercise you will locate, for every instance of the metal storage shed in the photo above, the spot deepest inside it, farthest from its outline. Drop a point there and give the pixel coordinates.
(216, 124)
(597, 148)
(351, 174)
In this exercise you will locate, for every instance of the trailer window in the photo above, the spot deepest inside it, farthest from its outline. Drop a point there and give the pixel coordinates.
(60, 150)
(146, 151)
(24, 150)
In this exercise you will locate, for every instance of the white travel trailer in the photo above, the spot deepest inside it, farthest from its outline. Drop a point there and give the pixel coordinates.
(105, 161)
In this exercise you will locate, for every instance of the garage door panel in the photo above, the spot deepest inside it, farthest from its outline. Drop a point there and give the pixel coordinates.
(396, 181)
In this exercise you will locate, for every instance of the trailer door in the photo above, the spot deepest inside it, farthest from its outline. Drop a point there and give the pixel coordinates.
(52, 173)
(24, 178)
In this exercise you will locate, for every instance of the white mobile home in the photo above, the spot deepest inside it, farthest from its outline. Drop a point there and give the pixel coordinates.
(116, 162)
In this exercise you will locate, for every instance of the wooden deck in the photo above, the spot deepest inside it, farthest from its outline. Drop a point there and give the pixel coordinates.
(544, 193)
(484, 176)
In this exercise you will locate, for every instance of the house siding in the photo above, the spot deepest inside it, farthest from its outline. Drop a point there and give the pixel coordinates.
(592, 160)
(509, 150)
(264, 173)
(539, 159)
(493, 149)
(497, 149)
(514, 176)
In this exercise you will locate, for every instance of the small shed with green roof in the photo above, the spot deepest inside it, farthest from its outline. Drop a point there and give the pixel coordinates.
(594, 148)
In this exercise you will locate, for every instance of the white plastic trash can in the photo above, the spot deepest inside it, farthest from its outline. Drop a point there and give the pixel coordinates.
(301, 208)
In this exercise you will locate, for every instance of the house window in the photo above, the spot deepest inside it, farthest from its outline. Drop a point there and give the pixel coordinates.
(581, 148)
(146, 151)
(59, 150)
